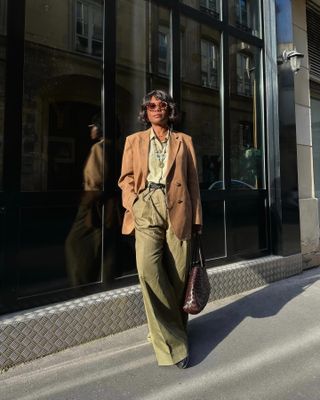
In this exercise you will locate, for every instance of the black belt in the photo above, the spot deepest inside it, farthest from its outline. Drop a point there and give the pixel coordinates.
(154, 185)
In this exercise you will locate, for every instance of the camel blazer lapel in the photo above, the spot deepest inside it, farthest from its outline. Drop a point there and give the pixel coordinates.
(175, 142)
(182, 186)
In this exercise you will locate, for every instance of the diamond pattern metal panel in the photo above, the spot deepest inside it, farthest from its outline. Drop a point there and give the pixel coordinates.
(32, 334)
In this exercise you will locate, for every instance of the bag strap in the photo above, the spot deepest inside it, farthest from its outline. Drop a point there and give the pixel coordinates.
(198, 255)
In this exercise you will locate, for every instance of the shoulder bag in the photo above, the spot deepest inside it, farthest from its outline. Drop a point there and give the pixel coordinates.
(198, 286)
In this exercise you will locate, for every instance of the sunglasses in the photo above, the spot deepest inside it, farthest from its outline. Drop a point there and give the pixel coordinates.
(154, 106)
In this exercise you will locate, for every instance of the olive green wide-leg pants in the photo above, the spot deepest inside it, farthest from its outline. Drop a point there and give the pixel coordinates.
(162, 263)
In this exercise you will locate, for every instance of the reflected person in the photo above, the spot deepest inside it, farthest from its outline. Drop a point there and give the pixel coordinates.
(84, 243)
(160, 192)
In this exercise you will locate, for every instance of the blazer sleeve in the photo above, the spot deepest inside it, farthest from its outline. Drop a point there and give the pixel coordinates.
(126, 180)
(93, 171)
(193, 185)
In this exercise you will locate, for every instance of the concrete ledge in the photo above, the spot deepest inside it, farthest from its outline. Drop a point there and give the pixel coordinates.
(31, 334)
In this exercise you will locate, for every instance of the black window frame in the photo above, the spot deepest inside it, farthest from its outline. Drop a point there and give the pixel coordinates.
(11, 194)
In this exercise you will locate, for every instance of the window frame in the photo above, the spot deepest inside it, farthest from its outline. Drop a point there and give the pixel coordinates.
(165, 31)
(91, 7)
(242, 78)
(211, 48)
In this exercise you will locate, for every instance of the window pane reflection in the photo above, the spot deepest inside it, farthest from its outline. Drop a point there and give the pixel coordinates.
(201, 106)
(209, 7)
(3, 43)
(245, 15)
(201, 118)
(246, 125)
(143, 57)
(62, 147)
(143, 63)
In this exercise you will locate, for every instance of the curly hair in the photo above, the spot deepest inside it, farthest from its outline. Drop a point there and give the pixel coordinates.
(159, 95)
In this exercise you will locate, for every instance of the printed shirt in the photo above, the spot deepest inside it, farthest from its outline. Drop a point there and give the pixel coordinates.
(158, 158)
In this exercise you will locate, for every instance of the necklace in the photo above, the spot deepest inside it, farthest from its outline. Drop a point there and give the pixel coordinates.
(160, 153)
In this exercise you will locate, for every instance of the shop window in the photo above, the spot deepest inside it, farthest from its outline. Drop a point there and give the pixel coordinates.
(201, 119)
(246, 124)
(210, 7)
(61, 100)
(209, 64)
(164, 50)
(89, 32)
(244, 87)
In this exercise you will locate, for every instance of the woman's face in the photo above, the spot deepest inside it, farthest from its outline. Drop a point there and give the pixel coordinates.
(157, 112)
(94, 132)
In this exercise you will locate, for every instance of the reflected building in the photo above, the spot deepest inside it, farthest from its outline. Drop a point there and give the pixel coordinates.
(247, 113)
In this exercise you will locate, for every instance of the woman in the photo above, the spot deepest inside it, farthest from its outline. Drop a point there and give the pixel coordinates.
(84, 242)
(160, 192)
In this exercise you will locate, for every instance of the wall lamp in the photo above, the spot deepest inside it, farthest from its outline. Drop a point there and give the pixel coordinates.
(292, 56)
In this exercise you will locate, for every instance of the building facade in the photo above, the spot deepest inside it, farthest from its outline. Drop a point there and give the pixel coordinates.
(65, 63)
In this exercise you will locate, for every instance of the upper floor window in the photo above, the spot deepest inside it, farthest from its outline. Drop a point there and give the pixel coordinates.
(89, 28)
(210, 7)
(209, 64)
(243, 15)
(163, 50)
(244, 86)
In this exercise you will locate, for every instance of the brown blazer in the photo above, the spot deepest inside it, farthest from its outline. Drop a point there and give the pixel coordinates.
(183, 194)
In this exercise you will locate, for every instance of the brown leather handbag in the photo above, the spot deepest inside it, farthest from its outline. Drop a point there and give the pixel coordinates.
(198, 287)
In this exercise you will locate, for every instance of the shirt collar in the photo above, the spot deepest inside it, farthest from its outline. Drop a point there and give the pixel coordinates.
(153, 135)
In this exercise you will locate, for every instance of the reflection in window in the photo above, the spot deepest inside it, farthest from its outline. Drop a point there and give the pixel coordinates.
(61, 94)
(201, 119)
(244, 86)
(209, 64)
(164, 50)
(210, 7)
(89, 28)
(246, 125)
(143, 59)
(243, 14)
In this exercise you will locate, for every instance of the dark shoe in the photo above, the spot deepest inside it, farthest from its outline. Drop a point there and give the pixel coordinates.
(183, 363)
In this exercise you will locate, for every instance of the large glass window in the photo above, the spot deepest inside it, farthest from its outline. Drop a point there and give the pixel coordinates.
(142, 64)
(3, 43)
(246, 121)
(143, 57)
(201, 118)
(69, 213)
(60, 242)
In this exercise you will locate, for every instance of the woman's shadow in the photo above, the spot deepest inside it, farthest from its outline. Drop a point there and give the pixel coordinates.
(207, 331)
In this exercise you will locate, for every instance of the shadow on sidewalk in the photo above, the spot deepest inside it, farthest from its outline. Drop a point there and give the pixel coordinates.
(207, 331)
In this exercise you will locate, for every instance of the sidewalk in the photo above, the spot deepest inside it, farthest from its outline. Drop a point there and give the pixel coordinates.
(261, 345)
